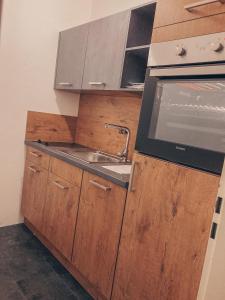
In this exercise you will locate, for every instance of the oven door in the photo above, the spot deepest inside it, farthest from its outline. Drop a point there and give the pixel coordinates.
(183, 116)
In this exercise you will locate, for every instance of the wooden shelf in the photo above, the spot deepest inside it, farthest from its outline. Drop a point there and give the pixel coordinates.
(135, 64)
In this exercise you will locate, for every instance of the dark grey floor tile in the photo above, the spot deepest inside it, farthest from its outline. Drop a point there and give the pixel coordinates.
(29, 271)
(47, 287)
(9, 290)
(75, 287)
(16, 232)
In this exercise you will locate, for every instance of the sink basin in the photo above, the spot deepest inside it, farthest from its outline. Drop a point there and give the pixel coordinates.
(91, 156)
(121, 169)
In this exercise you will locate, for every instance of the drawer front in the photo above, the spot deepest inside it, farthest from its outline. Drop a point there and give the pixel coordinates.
(188, 29)
(174, 11)
(38, 157)
(66, 171)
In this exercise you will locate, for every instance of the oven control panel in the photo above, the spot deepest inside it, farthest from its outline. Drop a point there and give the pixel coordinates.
(202, 49)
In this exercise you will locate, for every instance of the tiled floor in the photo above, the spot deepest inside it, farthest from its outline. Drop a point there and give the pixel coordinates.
(29, 271)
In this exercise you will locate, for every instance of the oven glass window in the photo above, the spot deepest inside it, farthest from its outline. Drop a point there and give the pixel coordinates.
(190, 112)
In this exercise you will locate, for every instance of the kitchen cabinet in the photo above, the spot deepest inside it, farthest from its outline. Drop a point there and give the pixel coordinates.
(38, 157)
(174, 20)
(201, 26)
(177, 11)
(138, 44)
(71, 58)
(34, 191)
(105, 52)
(98, 232)
(60, 214)
(165, 232)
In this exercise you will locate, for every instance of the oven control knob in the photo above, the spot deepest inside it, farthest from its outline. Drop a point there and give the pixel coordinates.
(180, 51)
(216, 46)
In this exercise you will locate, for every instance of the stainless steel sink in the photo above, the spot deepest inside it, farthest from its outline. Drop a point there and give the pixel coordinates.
(91, 156)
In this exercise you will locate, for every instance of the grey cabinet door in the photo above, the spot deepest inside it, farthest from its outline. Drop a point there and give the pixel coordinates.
(105, 52)
(71, 57)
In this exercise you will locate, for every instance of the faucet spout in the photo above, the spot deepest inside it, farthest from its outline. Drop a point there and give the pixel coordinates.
(122, 130)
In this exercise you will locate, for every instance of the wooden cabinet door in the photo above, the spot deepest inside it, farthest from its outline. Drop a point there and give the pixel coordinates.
(173, 11)
(105, 52)
(165, 233)
(98, 231)
(34, 192)
(71, 58)
(60, 214)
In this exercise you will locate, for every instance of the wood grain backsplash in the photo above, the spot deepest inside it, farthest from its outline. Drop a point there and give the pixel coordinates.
(50, 127)
(96, 110)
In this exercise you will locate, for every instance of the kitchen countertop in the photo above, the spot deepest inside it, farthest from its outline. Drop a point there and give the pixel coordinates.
(95, 168)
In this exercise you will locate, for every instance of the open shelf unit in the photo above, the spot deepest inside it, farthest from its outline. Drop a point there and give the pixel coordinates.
(138, 44)
(135, 64)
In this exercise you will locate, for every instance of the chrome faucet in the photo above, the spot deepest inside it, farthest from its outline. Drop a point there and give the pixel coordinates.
(122, 130)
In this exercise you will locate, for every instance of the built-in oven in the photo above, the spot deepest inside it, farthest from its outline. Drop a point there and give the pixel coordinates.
(183, 112)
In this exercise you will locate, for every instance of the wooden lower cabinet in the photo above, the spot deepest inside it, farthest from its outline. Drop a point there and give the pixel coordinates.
(166, 229)
(37, 157)
(60, 214)
(34, 190)
(98, 232)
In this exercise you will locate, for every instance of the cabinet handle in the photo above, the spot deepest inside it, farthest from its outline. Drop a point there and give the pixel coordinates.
(202, 3)
(32, 169)
(59, 185)
(97, 83)
(65, 83)
(35, 154)
(131, 188)
(100, 186)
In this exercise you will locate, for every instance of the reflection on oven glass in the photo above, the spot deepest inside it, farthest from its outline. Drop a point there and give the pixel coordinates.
(190, 113)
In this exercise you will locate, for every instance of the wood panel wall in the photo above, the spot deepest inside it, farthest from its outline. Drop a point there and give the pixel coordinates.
(50, 127)
(96, 110)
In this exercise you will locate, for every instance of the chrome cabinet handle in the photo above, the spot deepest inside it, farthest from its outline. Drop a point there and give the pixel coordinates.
(131, 188)
(96, 83)
(35, 154)
(65, 83)
(32, 169)
(100, 186)
(202, 3)
(59, 185)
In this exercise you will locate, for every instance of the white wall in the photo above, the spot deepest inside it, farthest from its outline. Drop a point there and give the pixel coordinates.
(102, 8)
(28, 45)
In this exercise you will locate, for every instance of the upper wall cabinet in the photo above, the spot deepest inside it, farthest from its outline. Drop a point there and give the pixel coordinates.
(71, 57)
(105, 52)
(176, 11)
